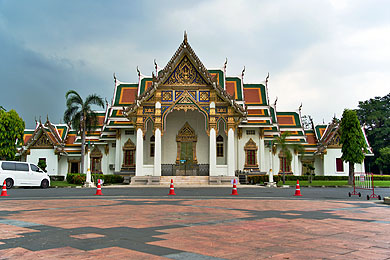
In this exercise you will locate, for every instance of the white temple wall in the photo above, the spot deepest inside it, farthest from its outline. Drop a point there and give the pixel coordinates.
(330, 163)
(241, 144)
(63, 166)
(318, 166)
(267, 159)
(174, 122)
(110, 159)
(51, 159)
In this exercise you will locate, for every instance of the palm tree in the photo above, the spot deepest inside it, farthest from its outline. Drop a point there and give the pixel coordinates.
(81, 116)
(281, 141)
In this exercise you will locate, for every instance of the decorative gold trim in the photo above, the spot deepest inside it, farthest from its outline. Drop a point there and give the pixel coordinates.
(96, 153)
(129, 145)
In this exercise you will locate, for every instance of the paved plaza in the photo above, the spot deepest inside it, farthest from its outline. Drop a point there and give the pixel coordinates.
(251, 226)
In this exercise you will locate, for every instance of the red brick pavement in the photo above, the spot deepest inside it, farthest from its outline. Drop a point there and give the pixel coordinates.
(222, 228)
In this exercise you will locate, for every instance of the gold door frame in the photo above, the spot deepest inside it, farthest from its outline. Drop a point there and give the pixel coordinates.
(186, 134)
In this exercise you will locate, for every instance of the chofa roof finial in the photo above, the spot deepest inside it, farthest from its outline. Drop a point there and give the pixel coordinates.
(243, 72)
(185, 35)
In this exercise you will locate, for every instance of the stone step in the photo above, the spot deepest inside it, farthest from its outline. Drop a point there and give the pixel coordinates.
(185, 180)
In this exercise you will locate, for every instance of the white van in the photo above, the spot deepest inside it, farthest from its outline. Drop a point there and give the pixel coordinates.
(22, 174)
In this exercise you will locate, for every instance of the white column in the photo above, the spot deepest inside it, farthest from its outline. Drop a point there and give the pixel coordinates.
(262, 155)
(230, 153)
(271, 167)
(157, 152)
(296, 168)
(139, 155)
(118, 153)
(88, 182)
(274, 161)
(213, 153)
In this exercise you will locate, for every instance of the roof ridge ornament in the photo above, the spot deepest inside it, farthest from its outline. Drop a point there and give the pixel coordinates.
(225, 65)
(185, 36)
(242, 73)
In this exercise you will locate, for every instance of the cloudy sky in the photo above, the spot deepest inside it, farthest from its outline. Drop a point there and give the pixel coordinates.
(327, 55)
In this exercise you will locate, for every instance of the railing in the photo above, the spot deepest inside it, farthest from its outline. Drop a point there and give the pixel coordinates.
(185, 170)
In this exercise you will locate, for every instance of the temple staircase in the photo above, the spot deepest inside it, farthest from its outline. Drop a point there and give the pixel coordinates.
(185, 180)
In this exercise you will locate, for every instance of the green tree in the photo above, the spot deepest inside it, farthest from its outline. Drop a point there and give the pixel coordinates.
(11, 133)
(374, 114)
(383, 160)
(42, 164)
(352, 140)
(80, 114)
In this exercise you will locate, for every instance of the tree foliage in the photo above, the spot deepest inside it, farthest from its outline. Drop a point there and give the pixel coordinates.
(374, 114)
(383, 159)
(352, 140)
(11, 132)
(80, 115)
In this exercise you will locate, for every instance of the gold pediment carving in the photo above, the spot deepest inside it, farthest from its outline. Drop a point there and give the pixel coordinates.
(250, 145)
(96, 152)
(335, 141)
(185, 74)
(42, 142)
(186, 134)
(129, 145)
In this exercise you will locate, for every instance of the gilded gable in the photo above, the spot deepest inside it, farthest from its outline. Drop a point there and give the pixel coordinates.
(43, 142)
(186, 74)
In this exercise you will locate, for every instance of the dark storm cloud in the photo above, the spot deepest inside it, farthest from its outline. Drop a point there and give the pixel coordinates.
(312, 48)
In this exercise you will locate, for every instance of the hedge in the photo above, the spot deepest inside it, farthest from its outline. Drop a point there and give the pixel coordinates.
(277, 178)
(108, 178)
(79, 178)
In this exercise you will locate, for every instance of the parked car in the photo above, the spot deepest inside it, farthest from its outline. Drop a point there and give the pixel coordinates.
(23, 174)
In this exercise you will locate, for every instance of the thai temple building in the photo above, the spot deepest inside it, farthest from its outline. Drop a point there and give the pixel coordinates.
(191, 122)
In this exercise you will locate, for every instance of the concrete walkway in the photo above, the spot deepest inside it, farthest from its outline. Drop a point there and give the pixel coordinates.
(204, 228)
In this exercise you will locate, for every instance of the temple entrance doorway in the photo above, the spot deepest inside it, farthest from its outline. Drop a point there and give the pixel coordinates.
(185, 144)
(186, 151)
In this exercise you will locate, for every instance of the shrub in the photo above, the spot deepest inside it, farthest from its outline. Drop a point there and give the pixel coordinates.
(109, 178)
(76, 178)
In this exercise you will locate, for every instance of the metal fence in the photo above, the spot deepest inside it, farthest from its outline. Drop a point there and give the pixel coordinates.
(185, 170)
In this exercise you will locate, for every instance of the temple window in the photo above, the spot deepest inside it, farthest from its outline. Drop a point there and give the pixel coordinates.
(96, 160)
(152, 146)
(129, 132)
(128, 158)
(219, 146)
(339, 165)
(128, 154)
(285, 165)
(251, 154)
(250, 132)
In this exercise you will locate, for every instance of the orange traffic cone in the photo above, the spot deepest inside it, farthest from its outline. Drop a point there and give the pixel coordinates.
(99, 189)
(171, 189)
(234, 191)
(298, 189)
(4, 191)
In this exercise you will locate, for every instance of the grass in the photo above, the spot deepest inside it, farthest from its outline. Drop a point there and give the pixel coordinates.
(331, 183)
(62, 184)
